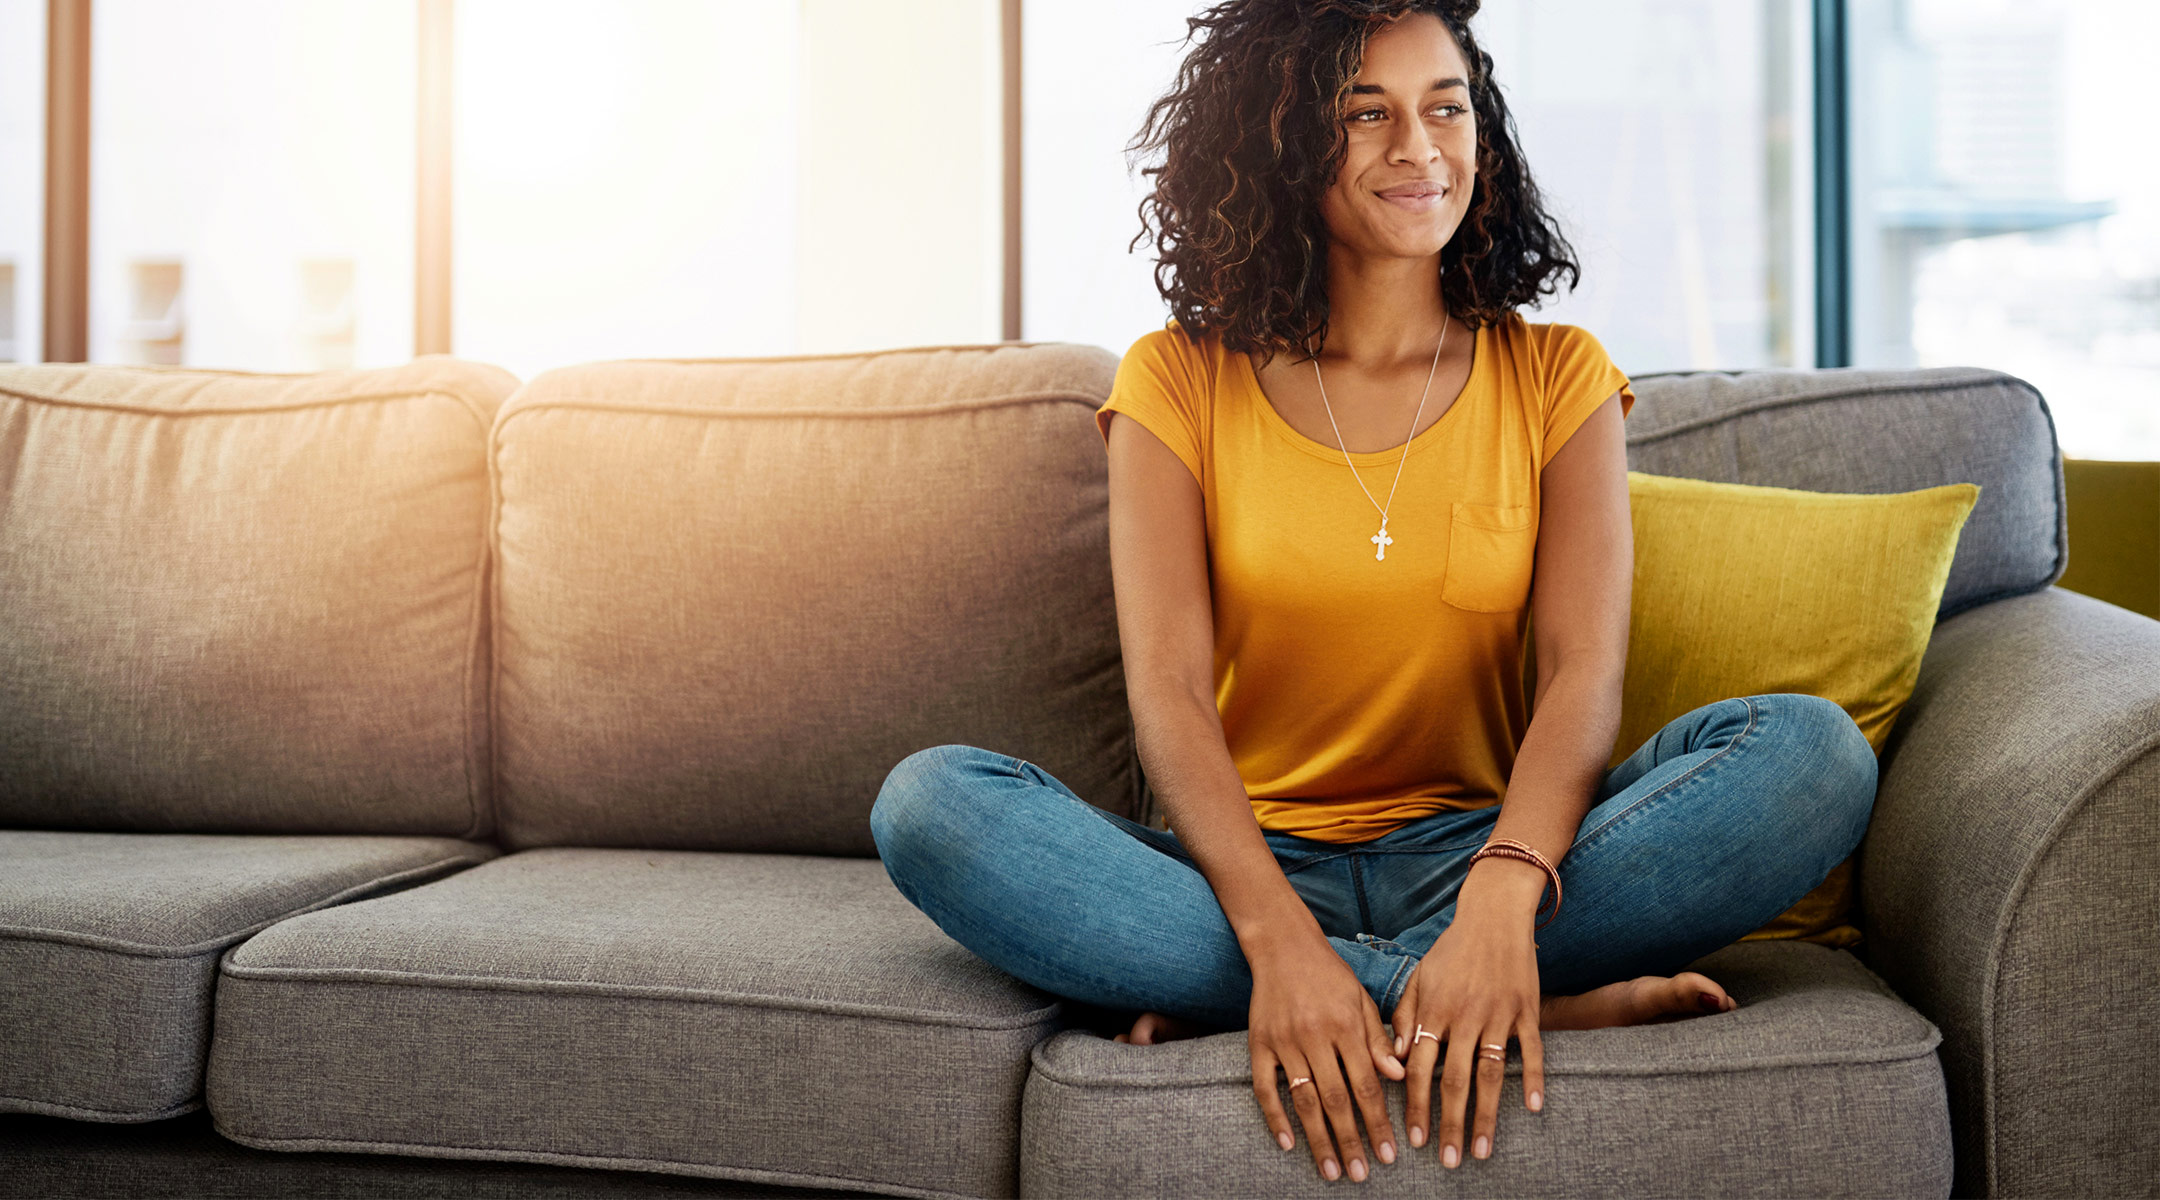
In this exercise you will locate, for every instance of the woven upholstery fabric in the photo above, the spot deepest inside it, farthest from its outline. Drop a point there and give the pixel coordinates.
(1743, 590)
(1822, 1083)
(733, 595)
(2008, 885)
(43, 1158)
(784, 1019)
(109, 944)
(235, 603)
(1877, 431)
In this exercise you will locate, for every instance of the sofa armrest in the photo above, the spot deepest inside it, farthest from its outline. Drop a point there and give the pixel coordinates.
(2009, 883)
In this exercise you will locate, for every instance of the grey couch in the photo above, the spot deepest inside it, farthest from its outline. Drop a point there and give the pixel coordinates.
(414, 783)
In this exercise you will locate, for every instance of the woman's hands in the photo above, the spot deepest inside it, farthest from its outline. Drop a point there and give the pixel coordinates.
(1312, 1017)
(1477, 986)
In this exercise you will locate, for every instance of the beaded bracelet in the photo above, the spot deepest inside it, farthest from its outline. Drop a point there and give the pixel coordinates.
(1510, 848)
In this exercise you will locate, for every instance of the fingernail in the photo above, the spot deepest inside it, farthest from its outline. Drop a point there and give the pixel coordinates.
(1329, 1169)
(1357, 1170)
(1417, 1136)
(1398, 1045)
(1484, 1146)
(1285, 1140)
(1537, 1101)
(1387, 1152)
(1449, 1156)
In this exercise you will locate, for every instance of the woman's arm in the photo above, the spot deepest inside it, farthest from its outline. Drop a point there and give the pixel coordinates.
(1308, 1008)
(1583, 584)
(1483, 985)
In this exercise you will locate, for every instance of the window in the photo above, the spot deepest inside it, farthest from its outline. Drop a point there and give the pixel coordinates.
(1682, 186)
(2006, 203)
(235, 147)
(1669, 138)
(694, 178)
(22, 175)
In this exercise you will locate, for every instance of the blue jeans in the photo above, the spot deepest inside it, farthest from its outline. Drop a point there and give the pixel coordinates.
(1721, 821)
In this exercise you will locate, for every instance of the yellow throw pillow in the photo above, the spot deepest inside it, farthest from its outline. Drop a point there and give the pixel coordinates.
(1742, 590)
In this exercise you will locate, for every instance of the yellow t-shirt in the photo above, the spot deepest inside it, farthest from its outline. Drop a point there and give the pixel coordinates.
(1357, 693)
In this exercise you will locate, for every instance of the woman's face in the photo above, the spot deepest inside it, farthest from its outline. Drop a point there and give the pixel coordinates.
(1411, 156)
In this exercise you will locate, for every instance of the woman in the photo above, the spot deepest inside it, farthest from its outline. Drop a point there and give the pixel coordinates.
(1322, 619)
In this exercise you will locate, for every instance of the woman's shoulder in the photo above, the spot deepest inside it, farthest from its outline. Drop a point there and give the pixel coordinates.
(1173, 342)
(1548, 339)
(1173, 360)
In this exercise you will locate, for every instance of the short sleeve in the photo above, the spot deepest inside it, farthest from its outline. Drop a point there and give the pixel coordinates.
(1160, 384)
(1579, 376)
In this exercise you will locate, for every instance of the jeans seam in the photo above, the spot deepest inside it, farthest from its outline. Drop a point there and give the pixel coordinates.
(1357, 889)
(1397, 984)
(1691, 773)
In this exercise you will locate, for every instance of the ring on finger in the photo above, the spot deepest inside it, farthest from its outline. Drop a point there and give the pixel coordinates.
(1301, 1079)
(1421, 1034)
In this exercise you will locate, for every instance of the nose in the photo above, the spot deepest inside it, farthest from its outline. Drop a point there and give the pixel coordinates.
(1412, 143)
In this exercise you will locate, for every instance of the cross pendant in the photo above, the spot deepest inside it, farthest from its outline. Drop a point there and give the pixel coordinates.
(1382, 541)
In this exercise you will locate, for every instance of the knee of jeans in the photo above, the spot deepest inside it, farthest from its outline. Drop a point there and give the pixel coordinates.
(920, 799)
(1846, 761)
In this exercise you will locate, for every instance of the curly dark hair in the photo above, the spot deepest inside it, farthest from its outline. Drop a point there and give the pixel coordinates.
(1251, 139)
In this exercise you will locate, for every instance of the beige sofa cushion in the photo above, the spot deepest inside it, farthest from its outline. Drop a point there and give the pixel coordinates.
(733, 594)
(245, 603)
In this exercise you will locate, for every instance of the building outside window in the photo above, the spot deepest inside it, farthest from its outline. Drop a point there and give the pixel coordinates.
(2007, 203)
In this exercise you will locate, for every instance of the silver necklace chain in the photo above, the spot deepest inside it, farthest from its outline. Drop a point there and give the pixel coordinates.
(1382, 540)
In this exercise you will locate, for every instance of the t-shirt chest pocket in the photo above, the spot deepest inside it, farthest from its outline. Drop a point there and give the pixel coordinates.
(1491, 548)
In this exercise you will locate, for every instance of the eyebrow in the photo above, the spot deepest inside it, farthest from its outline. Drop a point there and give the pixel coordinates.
(1374, 89)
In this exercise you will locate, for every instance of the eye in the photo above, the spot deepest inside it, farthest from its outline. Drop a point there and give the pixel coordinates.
(1358, 118)
(1452, 110)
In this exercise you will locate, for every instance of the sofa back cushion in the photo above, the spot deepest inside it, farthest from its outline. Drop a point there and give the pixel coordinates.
(1877, 431)
(733, 594)
(245, 603)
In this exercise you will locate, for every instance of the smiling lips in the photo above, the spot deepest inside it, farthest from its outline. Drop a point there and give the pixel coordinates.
(1419, 195)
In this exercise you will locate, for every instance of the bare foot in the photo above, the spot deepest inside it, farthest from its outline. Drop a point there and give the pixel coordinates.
(1645, 1000)
(1152, 1028)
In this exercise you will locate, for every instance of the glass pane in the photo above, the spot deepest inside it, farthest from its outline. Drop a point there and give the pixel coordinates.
(1684, 187)
(251, 182)
(701, 178)
(22, 180)
(2006, 208)
(1090, 72)
(1680, 187)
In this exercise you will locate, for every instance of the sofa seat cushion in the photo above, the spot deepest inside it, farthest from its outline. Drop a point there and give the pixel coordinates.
(1821, 1083)
(775, 1018)
(109, 945)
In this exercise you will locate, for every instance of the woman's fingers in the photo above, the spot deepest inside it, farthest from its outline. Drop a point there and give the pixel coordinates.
(1491, 1070)
(1384, 1058)
(1405, 1018)
(1371, 1103)
(1305, 1097)
(1336, 1100)
(1533, 1062)
(1417, 1108)
(1455, 1089)
(1264, 1085)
